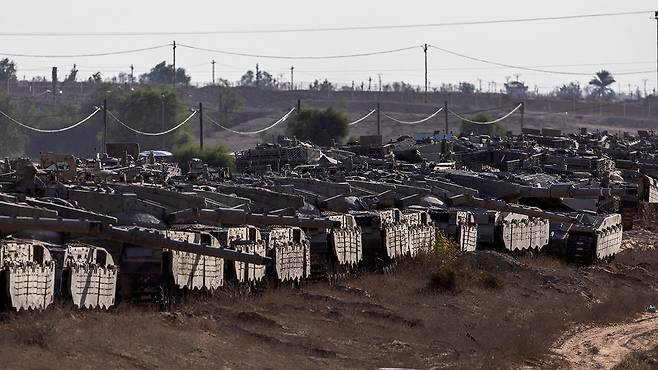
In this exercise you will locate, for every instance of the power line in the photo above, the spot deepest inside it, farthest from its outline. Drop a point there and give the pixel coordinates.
(469, 68)
(160, 133)
(84, 55)
(280, 120)
(327, 29)
(299, 56)
(50, 131)
(527, 68)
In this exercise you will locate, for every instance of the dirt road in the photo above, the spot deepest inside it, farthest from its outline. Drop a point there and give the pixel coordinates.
(606, 346)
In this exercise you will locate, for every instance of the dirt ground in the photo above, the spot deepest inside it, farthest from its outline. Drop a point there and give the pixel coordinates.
(484, 310)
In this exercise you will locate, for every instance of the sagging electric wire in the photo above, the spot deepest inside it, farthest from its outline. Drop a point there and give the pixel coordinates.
(487, 122)
(414, 122)
(328, 29)
(280, 120)
(527, 68)
(50, 131)
(298, 57)
(362, 118)
(152, 133)
(86, 55)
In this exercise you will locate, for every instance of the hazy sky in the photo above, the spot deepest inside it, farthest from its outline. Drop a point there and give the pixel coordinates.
(620, 44)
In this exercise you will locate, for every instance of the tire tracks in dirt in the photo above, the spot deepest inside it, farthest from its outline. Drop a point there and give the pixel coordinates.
(603, 347)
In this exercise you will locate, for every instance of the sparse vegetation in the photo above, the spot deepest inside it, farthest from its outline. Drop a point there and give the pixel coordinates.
(443, 280)
(496, 129)
(217, 156)
(320, 127)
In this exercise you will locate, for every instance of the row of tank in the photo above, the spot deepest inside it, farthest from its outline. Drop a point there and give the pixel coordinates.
(93, 263)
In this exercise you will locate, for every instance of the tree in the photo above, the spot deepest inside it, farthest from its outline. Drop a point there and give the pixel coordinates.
(143, 111)
(162, 74)
(247, 79)
(571, 91)
(96, 78)
(466, 88)
(495, 129)
(600, 84)
(324, 86)
(320, 127)
(72, 76)
(7, 70)
(229, 102)
(12, 141)
(262, 79)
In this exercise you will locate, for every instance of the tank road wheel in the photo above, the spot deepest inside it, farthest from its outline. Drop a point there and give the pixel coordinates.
(580, 249)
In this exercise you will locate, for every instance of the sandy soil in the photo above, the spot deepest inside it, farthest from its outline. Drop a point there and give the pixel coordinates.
(606, 346)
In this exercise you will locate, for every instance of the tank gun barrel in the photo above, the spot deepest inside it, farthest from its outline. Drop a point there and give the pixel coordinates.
(499, 205)
(142, 237)
(228, 216)
(153, 239)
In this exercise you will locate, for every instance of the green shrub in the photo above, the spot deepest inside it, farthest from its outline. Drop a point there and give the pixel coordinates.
(216, 157)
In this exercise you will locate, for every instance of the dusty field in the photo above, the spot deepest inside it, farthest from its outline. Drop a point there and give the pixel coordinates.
(485, 310)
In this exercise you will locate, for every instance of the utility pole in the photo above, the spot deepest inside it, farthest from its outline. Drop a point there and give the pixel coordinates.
(379, 122)
(173, 78)
(292, 77)
(379, 75)
(445, 114)
(656, 16)
(104, 125)
(213, 71)
(645, 87)
(201, 125)
(132, 75)
(425, 51)
(257, 76)
(522, 116)
(480, 82)
(369, 83)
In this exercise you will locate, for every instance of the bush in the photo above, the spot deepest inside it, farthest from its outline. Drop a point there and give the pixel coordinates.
(215, 157)
(491, 281)
(446, 249)
(320, 127)
(443, 280)
(495, 129)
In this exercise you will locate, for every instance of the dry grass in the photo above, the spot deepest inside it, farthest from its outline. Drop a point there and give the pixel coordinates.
(640, 361)
(506, 313)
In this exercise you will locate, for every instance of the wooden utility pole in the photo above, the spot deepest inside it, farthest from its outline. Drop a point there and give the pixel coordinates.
(104, 125)
(445, 115)
(201, 125)
(425, 51)
(132, 75)
(257, 76)
(379, 122)
(213, 71)
(173, 78)
(292, 78)
(656, 16)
